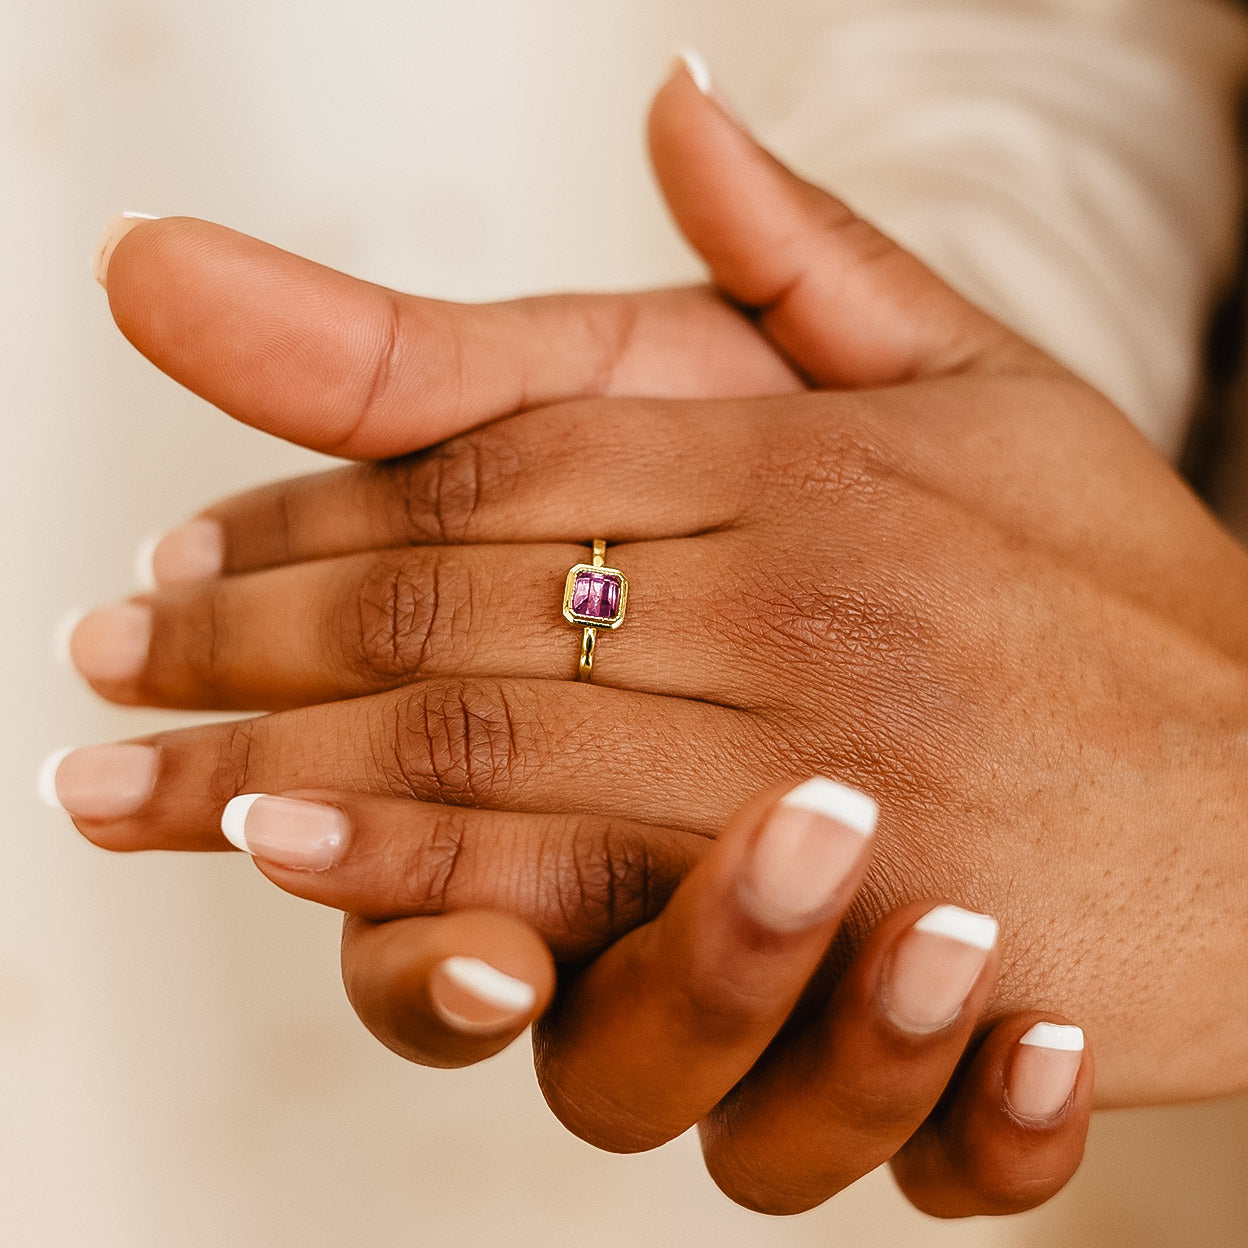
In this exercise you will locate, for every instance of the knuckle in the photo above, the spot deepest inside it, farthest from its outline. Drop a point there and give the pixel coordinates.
(462, 742)
(440, 492)
(197, 640)
(601, 879)
(848, 458)
(429, 873)
(385, 359)
(230, 774)
(410, 606)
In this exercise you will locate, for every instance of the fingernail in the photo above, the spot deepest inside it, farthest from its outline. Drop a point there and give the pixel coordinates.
(298, 835)
(62, 633)
(695, 65)
(803, 852)
(192, 552)
(473, 996)
(99, 781)
(111, 643)
(114, 232)
(697, 68)
(934, 967)
(1044, 1071)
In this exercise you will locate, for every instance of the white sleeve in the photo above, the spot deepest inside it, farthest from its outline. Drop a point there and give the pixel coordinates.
(1071, 165)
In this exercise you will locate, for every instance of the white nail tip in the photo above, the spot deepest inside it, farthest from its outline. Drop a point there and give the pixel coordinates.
(234, 819)
(144, 571)
(698, 69)
(837, 801)
(114, 232)
(63, 633)
(490, 984)
(979, 930)
(47, 778)
(1055, 1036)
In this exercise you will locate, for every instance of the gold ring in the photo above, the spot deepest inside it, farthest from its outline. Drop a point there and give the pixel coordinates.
(594, 597)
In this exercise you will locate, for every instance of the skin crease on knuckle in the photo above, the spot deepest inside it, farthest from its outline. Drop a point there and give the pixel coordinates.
(439, 492)
(460, 742)
(410, 605)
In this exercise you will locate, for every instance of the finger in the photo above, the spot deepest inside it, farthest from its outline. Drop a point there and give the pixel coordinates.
(578, 880)
(659, 1028)
(325, 360)
(494, 744)
(629, 470)
(846, 304)
(1012, 1135)
(839, 1094)
(447, 991)
(367, 623)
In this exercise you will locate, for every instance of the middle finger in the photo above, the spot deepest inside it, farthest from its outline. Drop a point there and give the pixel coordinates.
(495, 744)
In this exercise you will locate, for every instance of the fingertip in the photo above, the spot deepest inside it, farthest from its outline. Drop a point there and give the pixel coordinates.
(470, 995)
(63, 634)
(1043, 1070)
(189, 554)
(803, 856)
(449, 990)
(144, 553)
(116, 229)
(692, 62)
(234, 819)
(45, 782)
(1012, 1133)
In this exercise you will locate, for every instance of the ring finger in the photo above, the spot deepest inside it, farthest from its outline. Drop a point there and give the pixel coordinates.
(365, 623)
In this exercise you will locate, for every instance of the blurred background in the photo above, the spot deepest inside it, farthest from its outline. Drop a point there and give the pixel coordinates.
(177, 1063)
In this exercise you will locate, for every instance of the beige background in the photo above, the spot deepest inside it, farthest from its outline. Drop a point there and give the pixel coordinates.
(177, 1065)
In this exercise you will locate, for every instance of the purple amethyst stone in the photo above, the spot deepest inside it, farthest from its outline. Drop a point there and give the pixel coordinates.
(596, 595)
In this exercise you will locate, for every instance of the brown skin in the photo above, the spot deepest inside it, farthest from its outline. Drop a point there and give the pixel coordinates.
(979, 596)
(688, 1019)
(924, 591)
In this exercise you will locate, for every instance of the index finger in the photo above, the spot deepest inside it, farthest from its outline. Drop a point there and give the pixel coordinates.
(662, 1026)
(356, 369)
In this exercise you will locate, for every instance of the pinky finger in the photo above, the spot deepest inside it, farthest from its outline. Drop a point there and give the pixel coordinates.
(1011, 1135)
(449, 990)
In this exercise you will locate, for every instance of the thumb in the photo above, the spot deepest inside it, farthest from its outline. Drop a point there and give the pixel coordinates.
(845, 303)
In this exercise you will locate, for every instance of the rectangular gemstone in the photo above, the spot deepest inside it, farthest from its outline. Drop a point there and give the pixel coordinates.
(596, 595)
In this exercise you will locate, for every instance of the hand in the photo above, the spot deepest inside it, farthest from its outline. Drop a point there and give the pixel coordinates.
(980, 595)
(696, 1017)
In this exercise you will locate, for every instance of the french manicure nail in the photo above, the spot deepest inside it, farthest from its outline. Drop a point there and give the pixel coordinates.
(472, 996)
(934, 967)
(1044, 1071)
(62, 633)
(114, 232)
(807, 846)
(698, 69)
(192, 552)
(111, 643)
(99, 781)
(297, 835)
(696, 66)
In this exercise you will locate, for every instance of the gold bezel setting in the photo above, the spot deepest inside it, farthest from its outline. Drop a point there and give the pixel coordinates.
(594, 621)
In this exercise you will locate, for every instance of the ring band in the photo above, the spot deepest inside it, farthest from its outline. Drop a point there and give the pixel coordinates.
(594, 597)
